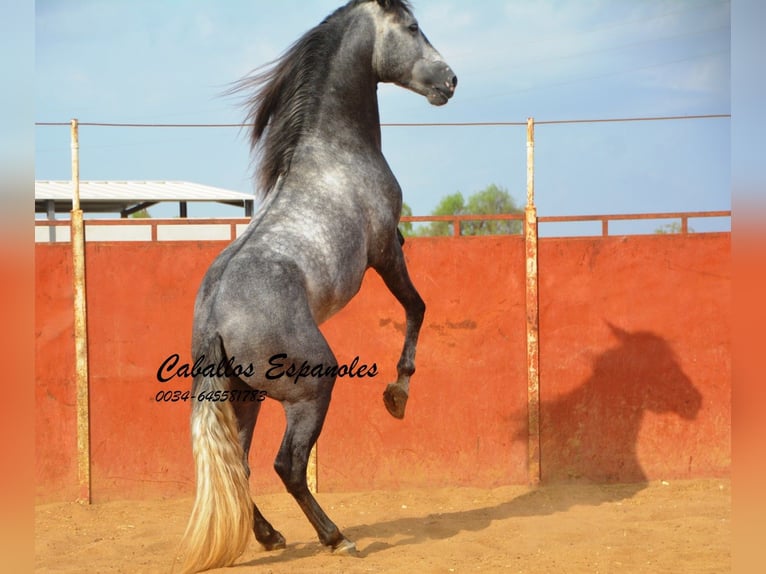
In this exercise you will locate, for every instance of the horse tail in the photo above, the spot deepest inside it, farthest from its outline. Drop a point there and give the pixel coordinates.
(222, 517)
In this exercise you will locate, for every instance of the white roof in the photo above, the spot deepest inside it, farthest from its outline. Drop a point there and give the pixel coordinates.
(129, 196)
(136, 191)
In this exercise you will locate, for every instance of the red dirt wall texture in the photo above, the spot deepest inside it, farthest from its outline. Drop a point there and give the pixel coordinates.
(634, 367)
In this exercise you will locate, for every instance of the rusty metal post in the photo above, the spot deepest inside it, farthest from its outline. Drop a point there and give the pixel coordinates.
(311, 471)
(80, 329)
(533, 355)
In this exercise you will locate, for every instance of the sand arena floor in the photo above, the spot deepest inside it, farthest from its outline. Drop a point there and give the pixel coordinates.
(680, 526)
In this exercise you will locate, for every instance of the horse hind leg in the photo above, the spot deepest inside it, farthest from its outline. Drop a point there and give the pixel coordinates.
(247, 415)
(304, 423)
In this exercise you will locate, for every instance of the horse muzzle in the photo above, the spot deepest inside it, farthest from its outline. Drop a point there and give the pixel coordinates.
(440, 94)
(437, 80)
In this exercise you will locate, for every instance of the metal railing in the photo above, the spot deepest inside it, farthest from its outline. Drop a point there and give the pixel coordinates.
(226, 229)
(682, 216)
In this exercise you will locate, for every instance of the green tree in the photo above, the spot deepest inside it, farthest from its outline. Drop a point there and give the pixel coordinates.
(673, 227)
(406, 226)
(140, 214)
(490, 201)
(452, 204)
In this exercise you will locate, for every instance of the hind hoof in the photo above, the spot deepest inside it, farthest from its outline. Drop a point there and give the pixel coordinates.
(345, 548)
(395, 399)
(276, 542)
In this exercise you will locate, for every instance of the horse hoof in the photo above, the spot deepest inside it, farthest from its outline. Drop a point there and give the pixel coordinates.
(345, 548)
(276, 542)
(395, 399)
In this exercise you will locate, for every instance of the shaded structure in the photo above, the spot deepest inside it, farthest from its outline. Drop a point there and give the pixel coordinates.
(127, 197)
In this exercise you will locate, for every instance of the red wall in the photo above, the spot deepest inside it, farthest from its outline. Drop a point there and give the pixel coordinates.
(647, 397)
(635, 362)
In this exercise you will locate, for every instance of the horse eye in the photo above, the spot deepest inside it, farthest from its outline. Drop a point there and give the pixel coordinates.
(413, 27)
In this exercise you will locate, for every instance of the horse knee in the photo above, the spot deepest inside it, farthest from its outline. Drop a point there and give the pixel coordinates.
(291, 475)
(284, 467)
(419, 307)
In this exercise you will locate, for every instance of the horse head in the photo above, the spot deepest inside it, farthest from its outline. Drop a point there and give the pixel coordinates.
(652, 370)
(402, 54)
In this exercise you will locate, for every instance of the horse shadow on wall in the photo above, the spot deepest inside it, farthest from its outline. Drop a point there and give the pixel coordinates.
(588, 435)
(591, 433)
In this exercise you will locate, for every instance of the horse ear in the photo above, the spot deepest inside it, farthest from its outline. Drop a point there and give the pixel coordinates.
(385, 4)
(621, 334)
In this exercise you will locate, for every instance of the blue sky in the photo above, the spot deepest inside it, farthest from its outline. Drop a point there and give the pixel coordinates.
(168, 61)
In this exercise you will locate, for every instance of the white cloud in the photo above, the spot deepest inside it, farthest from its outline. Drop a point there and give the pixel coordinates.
(516, 47)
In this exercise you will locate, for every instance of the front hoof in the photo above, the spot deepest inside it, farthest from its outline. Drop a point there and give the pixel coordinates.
(395, 399)
(275, 542)
(345, 548)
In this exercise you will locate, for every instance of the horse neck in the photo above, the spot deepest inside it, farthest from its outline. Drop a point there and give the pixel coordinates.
(348, 110)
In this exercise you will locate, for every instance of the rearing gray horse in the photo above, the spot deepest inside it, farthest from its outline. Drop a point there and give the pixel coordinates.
(330, 210)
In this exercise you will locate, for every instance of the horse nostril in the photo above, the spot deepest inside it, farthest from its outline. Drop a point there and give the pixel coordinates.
(454, 82)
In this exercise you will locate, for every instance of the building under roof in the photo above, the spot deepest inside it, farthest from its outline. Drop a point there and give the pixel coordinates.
(126, 197)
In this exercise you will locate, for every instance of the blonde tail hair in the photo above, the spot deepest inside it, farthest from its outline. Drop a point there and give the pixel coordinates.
(221, 521)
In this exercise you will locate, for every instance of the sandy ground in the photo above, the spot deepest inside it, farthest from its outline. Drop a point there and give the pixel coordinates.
(681, 526)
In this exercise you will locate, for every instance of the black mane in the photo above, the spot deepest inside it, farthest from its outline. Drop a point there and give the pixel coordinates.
(286, 92)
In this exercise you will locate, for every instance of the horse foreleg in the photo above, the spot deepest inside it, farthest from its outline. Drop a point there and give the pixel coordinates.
(398, 282)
